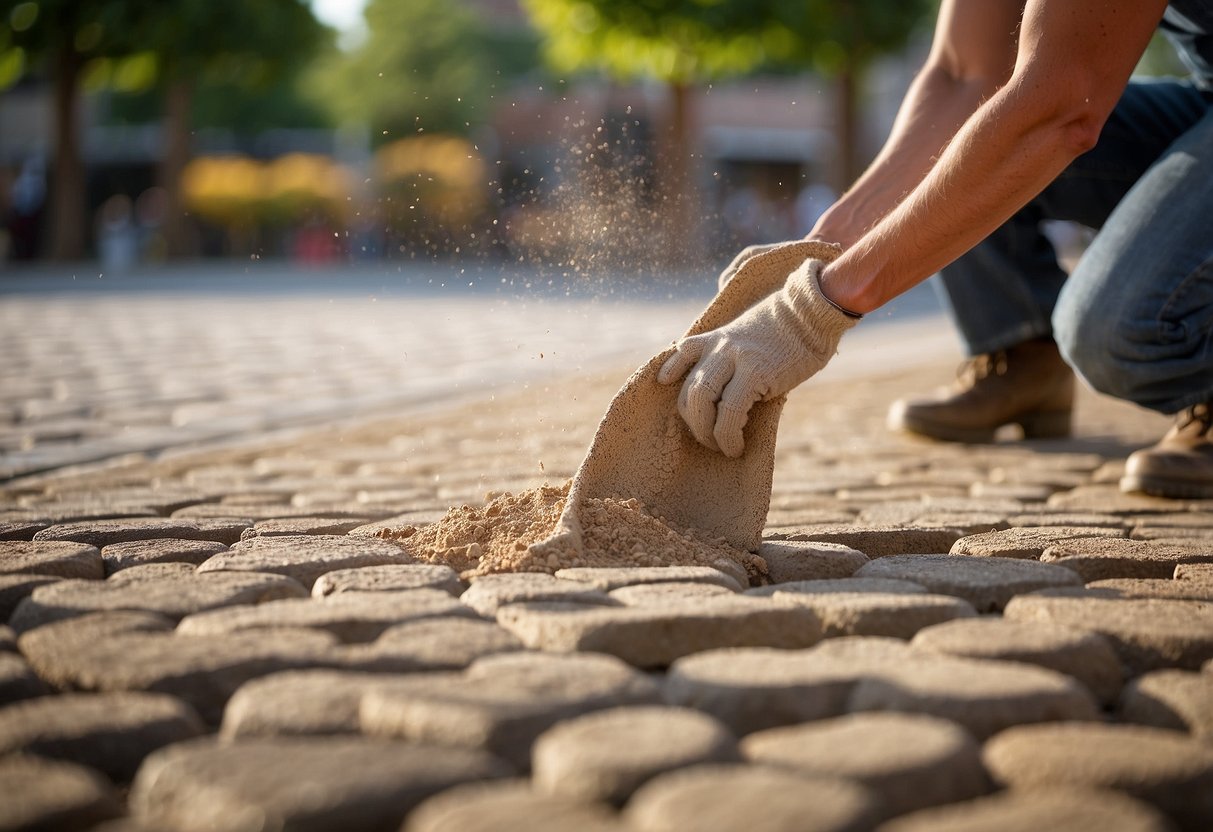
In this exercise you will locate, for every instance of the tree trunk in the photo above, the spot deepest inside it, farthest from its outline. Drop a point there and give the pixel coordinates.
(849, 163)
(178, 101)
(67, 198)
(679, 190)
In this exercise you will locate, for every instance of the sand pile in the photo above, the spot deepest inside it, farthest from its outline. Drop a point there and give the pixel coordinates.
(497, 537)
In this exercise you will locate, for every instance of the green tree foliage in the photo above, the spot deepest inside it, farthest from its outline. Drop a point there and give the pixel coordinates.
(690, 41)
(256, 43)
(426, 65)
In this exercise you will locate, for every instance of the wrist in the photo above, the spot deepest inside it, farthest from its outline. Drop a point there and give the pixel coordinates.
(852, 295)
(836, 225)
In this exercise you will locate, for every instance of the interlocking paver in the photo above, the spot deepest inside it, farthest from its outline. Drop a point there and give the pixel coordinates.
(503, 703)
(912, 512)
(261, 783)
(350, 616)
(1175, 699)
(1086, 656)
(610, 578)
(305, 557)
(14, 588)
(911, 761)
(1065, 519)
(302, 525)
(839, 477)
(510, 804)
(1096, 559)
(137, 651)
(119, 556)
(409, 518)
(983, 696)
(607, 755)
(61, 559)
(1202, 572)
(1014, 811)
(1026, 542)
(656, 636)
(751, 689)
(665, 594)
(1150, 532)
(301, 702)
(250, 515)
(489, 593)
(797, 560)
(441, 643)
(49, 794)
(738, 796)
(22, 529)
(895, 614)
(1155, 588)
(886, 585)
(1110, 498)
(1165, 768)
(102, 533)
(65, 512)
(1188, 519)
(964, 522)
(986, 583)
(18, 680)
(389, 578)
(880, 541)
(1148, 634)
(110, 732)
(173, 595)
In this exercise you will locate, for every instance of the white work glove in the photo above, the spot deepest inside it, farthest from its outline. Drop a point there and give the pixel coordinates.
(740, 260)
(770, 348)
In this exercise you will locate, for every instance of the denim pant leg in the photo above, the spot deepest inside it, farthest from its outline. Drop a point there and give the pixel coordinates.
(1004, 290)
(1135, 319)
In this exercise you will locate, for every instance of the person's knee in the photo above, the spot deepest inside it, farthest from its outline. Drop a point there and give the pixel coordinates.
(1100, 351)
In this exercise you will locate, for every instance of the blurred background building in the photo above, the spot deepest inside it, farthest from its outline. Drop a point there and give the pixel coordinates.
(587, 132)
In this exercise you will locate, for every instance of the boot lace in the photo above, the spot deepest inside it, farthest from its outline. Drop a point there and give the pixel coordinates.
(1200, 415)
(982, 366)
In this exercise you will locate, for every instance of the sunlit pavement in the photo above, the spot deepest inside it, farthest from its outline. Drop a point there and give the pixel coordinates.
(96, 366)
(992, 635)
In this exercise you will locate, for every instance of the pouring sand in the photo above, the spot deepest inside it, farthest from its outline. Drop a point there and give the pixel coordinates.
(498, 537)
(647, 493)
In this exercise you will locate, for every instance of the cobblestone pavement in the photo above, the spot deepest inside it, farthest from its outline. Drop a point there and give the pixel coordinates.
(138, 365)
(960, 638)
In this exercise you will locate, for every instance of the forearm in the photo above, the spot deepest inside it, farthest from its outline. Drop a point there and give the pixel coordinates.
(1070, 68)
(1006, 153)
(935, 107)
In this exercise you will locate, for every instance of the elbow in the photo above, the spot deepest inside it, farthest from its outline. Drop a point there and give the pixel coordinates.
(1080, 128)
(1072, 113)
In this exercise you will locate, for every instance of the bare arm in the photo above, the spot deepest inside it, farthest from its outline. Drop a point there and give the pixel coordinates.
(1073, 60)
(972, 55)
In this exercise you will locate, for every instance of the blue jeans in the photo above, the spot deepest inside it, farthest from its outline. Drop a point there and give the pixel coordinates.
(1135, 318)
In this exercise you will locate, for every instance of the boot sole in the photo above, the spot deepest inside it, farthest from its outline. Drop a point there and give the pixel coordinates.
(1167, 488)
(1053, 425)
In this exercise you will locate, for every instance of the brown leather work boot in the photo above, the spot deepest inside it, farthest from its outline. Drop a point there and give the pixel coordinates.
(1028, 385)
(1181, 464)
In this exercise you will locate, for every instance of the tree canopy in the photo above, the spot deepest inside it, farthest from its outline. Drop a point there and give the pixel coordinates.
(684, 42)
(426, 65)
(691, 40)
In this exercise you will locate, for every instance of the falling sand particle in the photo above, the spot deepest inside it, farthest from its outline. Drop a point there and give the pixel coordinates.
(497, 537)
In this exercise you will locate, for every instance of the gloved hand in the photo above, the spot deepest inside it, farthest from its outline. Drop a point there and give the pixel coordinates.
(772, 347)
(739, 261)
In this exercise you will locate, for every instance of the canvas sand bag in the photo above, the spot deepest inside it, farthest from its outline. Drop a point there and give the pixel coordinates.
(643, 449)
